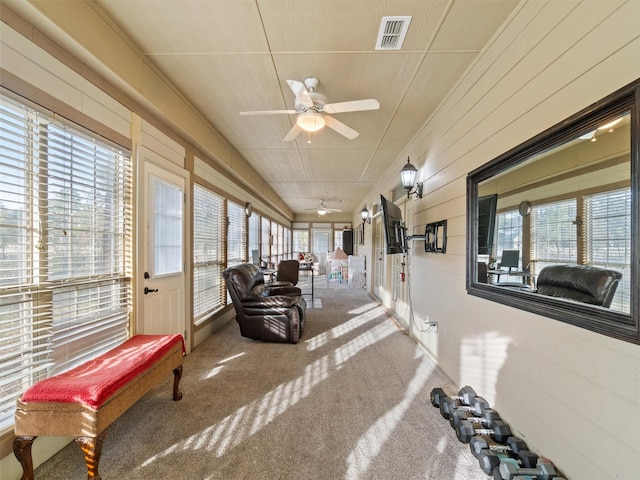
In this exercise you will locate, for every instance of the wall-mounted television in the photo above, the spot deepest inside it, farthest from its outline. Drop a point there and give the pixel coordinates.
(394, 229)
(486, 223)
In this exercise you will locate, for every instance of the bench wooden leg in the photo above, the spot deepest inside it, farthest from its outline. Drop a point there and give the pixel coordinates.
(92, 448)
(22, 451)
(177, 375)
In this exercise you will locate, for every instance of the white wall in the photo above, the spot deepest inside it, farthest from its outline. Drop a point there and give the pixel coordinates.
(573, 395)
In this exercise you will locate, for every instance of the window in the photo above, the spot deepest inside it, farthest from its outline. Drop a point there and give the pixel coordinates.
(265, 240)
(208, 249)
(287, 243)
(553, 234)
(166, 225)
(254, 238)
(608, 238)
(300, 241)
(236, 234)
(65, 252)
(508, 233)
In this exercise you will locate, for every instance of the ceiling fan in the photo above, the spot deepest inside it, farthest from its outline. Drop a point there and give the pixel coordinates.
(312, 107)
(322, 209)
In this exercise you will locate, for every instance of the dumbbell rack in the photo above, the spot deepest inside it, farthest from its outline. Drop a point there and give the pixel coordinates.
(499, 453)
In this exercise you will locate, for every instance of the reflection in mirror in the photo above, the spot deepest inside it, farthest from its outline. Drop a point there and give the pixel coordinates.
(553, 222)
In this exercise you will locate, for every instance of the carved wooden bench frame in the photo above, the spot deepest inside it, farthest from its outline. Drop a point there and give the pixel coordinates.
(86, 424)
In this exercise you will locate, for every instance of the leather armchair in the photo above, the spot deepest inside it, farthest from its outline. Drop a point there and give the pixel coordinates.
(581, 283)
(273, 314)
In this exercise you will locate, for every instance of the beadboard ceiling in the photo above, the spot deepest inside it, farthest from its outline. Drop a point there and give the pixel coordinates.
(228, 56)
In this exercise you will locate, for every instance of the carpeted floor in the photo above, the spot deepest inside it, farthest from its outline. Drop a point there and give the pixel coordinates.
(349, 402)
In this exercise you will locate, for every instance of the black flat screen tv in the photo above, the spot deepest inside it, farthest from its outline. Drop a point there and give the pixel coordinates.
(394, 229)
(486, 223)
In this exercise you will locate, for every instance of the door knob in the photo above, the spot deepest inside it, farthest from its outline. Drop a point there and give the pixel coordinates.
(149, 290)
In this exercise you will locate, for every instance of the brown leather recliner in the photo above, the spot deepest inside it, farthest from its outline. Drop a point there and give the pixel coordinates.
(581, 283)
(272, 314)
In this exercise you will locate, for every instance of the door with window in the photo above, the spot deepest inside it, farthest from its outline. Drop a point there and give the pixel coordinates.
(162, 260)
(320, 247)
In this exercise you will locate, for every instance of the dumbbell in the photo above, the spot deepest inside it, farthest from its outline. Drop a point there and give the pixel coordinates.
(487, 416)
(498, 430)
(513, 445)
(515, 449)
(465, 395)
(544, 470)
(476, 406)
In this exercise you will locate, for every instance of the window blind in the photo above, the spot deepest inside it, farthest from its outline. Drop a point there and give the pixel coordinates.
(208, 253)
(254, 234)
(553, 234)
(608, 238)
(508, 233)
(65, 252)
(265, 239)
(236, 234)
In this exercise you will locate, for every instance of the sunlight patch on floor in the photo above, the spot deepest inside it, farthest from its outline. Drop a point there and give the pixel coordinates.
(372, 441)
(248, 420)
(215, 370)
(336, 332)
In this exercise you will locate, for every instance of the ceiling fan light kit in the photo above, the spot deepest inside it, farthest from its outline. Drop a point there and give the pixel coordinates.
(310, 105)
(322, 209)
(310, 121)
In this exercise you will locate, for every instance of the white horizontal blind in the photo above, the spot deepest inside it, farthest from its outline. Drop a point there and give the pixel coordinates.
(553, 234)
(608, 238)
(276, 238)
(254, 235)
(65, 253)
(236, 234)
(265, 240)
(287, 243)
(208, 253)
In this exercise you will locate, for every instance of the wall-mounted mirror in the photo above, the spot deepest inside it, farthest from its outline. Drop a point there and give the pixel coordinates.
(553, 225)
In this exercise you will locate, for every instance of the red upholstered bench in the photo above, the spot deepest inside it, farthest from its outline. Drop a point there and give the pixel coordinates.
(84, 401)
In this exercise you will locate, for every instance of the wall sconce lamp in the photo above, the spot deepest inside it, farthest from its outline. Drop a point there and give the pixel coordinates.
(408, 177)
(364, 213)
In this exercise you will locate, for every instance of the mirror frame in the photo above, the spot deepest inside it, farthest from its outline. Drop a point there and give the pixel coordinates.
(597, 319)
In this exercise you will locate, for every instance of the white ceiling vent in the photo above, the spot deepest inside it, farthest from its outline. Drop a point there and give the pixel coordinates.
(392, 32)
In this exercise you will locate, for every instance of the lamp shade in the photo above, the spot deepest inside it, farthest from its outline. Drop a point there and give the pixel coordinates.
(408, 175)
(310, 121)
(364, 213)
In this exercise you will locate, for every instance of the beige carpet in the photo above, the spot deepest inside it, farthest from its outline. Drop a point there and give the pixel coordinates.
(349, 402)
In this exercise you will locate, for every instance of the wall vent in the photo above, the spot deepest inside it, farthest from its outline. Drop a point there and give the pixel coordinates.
(392, 32)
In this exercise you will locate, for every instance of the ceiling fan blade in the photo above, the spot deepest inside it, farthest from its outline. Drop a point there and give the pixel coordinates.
(340, 127)
(293, 133)
(352, 106)
(301, 92)
(268, 112)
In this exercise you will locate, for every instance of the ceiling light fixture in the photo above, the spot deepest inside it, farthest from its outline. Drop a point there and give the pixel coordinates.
(408, 177)
(610, 124)
(322, 211)
(310, 121)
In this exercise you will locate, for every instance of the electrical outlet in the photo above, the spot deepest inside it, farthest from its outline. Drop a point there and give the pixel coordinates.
(431, 325)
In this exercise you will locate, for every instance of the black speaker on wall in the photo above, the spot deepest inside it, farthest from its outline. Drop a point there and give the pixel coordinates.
(347, 241)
